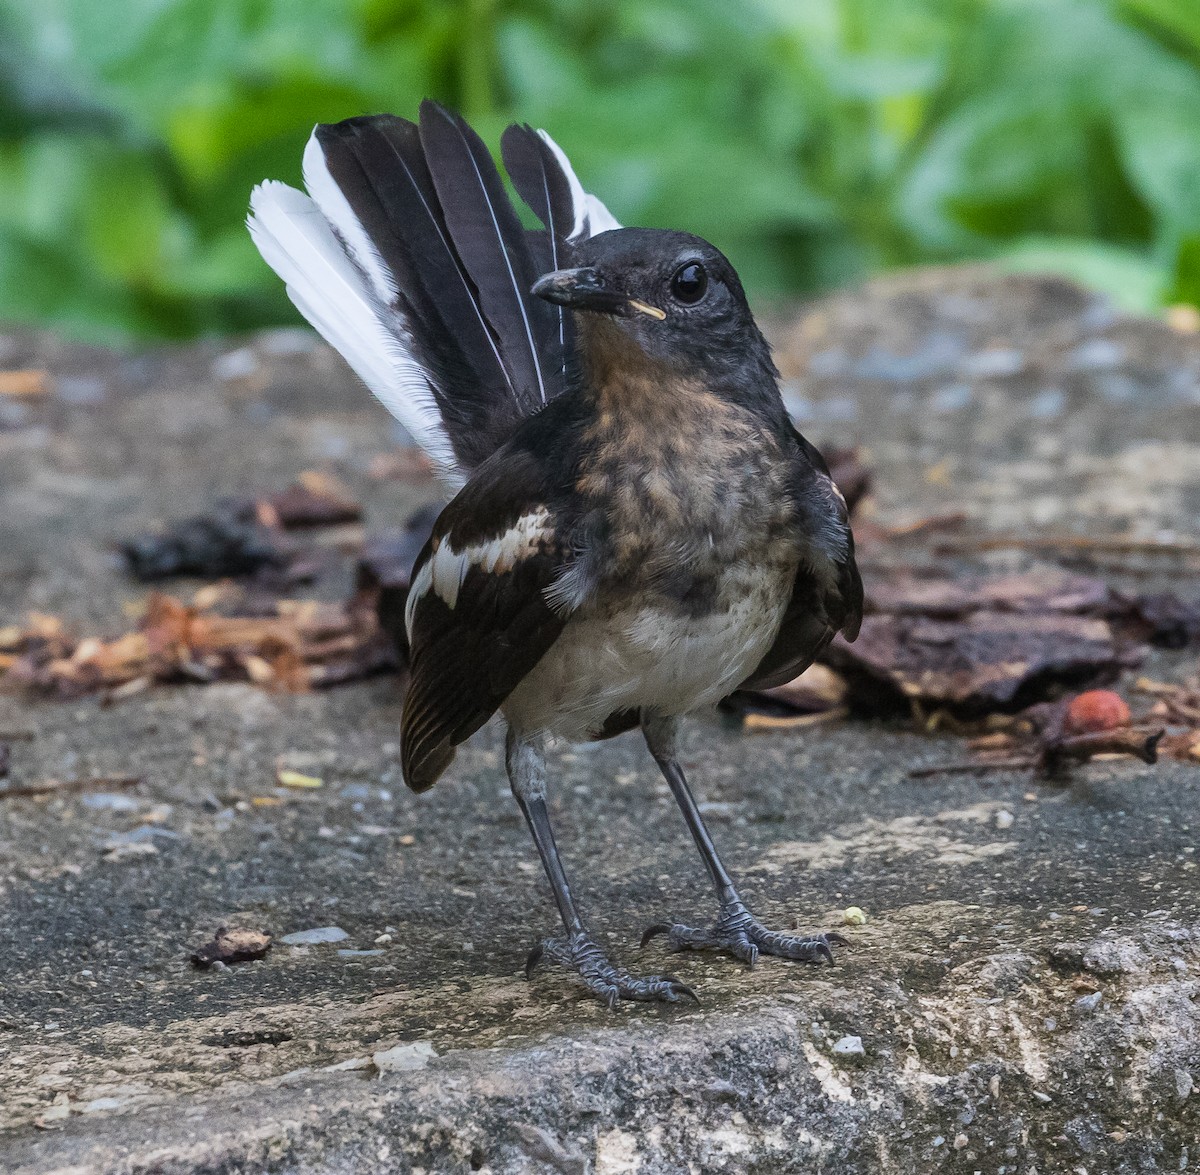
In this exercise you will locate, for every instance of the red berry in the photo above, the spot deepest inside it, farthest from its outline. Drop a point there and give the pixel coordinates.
(1098, 709)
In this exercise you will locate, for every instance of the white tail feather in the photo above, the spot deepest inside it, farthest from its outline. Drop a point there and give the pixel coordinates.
(297, 241)
(336, 278)
(591, 217)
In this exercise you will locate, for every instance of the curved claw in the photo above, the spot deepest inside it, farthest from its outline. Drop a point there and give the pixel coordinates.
(679, 989)
(651, 931)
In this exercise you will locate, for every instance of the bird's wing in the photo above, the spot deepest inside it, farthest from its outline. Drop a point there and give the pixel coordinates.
(827, 595)
(478, 618)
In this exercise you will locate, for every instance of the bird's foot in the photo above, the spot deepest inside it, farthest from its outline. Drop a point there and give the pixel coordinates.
(604, 980)
(743, 936)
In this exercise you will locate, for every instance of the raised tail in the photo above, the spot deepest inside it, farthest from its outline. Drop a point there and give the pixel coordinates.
(407, 256)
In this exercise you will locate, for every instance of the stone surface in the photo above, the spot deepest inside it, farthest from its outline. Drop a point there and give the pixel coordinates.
(997, 911)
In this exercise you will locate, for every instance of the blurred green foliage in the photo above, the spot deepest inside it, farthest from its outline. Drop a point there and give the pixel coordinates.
(816, 141)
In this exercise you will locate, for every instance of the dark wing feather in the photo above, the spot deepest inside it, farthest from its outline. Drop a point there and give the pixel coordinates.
(492, 245)
(468, 656)
(827, 595)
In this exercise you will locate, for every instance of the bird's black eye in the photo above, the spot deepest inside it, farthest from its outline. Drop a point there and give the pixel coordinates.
(689, 283)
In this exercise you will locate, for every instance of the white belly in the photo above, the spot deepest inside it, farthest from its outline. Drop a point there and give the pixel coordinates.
(650, 657)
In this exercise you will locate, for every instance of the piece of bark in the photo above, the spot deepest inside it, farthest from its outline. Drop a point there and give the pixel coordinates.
(317, 499)
(232, 945)
(989, 661)
(942, 598)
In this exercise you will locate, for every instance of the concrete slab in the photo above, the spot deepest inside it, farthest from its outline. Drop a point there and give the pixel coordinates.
(1024, 991)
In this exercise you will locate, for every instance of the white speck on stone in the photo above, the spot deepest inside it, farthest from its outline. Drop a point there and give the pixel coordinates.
(1004, 818)
(404, 1058)
(102, 1103)
(1183, 1083)
(849, 1046)
(319, 934)
(381, 940)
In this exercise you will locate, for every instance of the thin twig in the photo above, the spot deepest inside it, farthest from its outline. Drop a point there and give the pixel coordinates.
(758, 723)
(976, 767)
(62, 787)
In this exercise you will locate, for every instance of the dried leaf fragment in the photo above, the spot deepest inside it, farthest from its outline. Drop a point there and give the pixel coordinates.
(232, 945)
(317, 499)
(25, 385)
(987, 661)
(288, 778)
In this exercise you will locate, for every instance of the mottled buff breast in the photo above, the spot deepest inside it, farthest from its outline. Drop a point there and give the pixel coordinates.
(692, 522)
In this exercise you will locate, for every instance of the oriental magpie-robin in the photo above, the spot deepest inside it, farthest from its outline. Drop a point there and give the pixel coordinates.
(636, 530)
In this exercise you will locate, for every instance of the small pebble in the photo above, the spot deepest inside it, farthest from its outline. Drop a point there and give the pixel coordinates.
(854, 916)
(1089, 1003)
(1004, 818)
(849, 1046)
(319, 934)
(104, 801)
(383, 939)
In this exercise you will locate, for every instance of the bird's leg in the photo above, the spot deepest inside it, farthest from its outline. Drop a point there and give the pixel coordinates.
(527, 774)
(736, 929)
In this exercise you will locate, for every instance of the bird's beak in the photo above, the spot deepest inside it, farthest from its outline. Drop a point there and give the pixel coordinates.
(584, 289)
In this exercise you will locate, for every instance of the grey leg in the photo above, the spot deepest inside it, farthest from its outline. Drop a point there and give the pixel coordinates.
(736, 929)
(577, 951)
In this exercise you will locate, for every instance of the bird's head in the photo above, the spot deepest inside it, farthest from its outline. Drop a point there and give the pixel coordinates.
(673, 294)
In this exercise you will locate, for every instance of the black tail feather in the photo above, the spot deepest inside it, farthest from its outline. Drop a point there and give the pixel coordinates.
(379, 166)
(491, 243)
(540, 182)
(448, 267)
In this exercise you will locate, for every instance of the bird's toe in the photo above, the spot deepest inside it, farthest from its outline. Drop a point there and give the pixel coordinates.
(603, 978)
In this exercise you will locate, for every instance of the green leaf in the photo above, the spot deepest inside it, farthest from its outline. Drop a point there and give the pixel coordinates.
(1133, 281)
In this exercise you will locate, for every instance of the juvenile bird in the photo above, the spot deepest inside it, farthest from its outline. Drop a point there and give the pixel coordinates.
(636, 530)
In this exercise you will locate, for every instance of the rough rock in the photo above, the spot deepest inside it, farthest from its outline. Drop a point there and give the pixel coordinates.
(972, 985)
